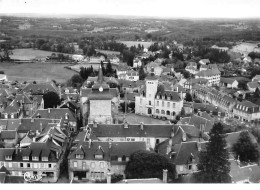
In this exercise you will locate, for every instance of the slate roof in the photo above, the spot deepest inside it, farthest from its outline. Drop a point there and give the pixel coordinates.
(206, 73)
(13, 107)
(87, 92)
(247, 107)
(253, 85)
(10, 124)
(40, 88)
(29, 124)
(227, 80)
(185, 152)
(174, 96)
(8, 134)
(247, 173)
(55, 113)
(98, 147)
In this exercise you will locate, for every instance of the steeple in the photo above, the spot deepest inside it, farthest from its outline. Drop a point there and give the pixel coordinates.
(100, 75)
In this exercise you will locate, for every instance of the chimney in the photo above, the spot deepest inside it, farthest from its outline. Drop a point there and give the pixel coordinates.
(32, 120)
(172, 132)
(199, 146)
(126, 125)
(49, 110)
(89, 143)
(34, 139)
(95, 124)
(142, 126)
(16, 149)
(66, 116)
(165, 175)
(40, 127)
(108, 177)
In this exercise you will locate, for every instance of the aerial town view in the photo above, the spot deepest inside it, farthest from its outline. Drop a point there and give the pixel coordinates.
(129, 91)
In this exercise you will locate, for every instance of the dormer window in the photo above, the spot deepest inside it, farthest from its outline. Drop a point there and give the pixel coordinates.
(98, 156)
(8, 157)
(35, 158)
(79, 156)
(26, 158)
(44, 158)
(119, 159)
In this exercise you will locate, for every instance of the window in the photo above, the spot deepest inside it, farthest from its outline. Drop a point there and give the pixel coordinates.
(26, 158)
(28, 165)
(173, 105)
(49, 165)
(10, 164)
(132, 139)
(75, 164)
(148, 141)
(181, 168)
(21, 165)
(162, 103)
(98, 156)
(8, 157)
(150, 102)
(150, 95)
(101, 164)
(119, 159)
(92, 165)
(84, 165)
(79, 156)
(35, 165)
(12, 115)
(44, 158)
(42, 165)
(6, 116)
(157, 111)
(157, 103)
(190, 166)
(168, 104)
(162, 112)
(35, 158)
(102, 175)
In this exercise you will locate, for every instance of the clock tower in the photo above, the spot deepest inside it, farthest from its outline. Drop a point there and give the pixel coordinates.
(100, 102)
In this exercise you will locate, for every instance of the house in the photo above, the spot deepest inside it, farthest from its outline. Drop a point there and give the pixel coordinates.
(185, 156)
(131, 75)
(212, 75)
(67, 117)
(247, 59)
(40, 158)
(40, 88)
(122, 69)
(13, 110)
(246, 111)
(3, 77)
(150, 102)
(204, 61)
(256, 78)
(191, 82)
(9, 138)
(137, 62)
(252, 86)
(192, 70)
(228, 82)
(92, 160)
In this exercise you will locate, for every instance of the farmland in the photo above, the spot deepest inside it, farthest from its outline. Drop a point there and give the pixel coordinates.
(28, 54)
(135, 43)
(36, 72)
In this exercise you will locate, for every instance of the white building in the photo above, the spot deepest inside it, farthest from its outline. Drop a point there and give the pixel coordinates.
(212, 75)
(150, 102)
(246, 111)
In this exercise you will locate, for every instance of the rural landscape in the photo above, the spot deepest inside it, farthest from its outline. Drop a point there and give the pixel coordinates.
(124, 99)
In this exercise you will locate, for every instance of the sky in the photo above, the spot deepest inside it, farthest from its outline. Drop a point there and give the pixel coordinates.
(150, 8)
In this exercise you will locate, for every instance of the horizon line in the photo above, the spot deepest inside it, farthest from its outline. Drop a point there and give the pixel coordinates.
(71, 15)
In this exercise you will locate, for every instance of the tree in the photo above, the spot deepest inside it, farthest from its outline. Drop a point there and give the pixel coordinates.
(245, 148)
(213, 163)
(142, 75)
(131, 105)
(242, 85)
(109, 69)
(51, 100)
(75, 81)
(146, 164)
(188, 97)
(186, 74)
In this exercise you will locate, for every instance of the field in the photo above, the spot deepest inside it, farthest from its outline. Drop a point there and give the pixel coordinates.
(28, 54)
(135, 43)
(36, 72)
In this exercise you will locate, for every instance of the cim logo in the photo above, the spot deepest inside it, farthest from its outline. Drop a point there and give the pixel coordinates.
(28, 177)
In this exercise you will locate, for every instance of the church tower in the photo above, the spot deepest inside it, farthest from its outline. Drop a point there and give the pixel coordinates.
(100, 109)
(151, 83)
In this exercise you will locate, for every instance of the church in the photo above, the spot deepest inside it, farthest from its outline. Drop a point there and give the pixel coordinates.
(159, 104)
(99, 104)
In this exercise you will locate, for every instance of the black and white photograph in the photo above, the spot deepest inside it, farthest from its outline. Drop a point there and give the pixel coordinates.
(105, 92)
